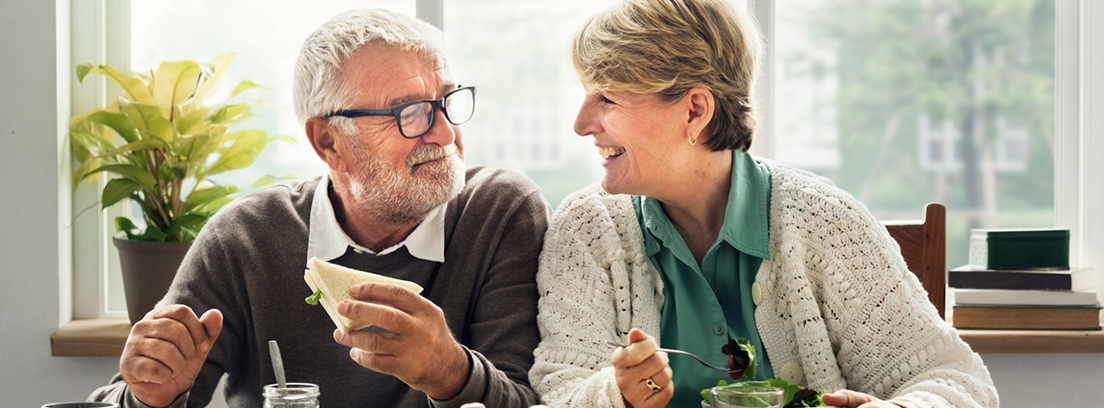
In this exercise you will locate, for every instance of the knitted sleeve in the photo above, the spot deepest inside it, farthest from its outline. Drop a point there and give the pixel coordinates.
(584, 288)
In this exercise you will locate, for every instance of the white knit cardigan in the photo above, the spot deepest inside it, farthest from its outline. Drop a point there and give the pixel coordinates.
(838, 304)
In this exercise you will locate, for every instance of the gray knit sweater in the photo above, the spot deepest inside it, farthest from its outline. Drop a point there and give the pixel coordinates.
(248, 262)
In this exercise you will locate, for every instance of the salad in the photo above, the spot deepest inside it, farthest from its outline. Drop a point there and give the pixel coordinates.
(741, 357)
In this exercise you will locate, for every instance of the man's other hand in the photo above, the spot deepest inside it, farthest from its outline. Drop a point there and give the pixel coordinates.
(419, 349)
(165, 351)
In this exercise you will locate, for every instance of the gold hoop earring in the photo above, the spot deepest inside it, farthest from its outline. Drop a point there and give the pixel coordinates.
(692, 140)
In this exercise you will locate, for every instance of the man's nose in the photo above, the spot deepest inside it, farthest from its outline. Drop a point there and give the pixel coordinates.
(442, 131)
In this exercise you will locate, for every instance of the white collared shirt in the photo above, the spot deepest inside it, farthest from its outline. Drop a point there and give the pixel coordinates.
(327, 241)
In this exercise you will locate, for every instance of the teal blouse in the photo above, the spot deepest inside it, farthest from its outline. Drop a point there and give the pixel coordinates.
(706, 305)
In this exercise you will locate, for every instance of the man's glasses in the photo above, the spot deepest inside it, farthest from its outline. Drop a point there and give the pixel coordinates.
(416, 118)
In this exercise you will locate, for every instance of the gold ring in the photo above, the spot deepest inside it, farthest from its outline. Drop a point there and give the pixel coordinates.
(651, 384)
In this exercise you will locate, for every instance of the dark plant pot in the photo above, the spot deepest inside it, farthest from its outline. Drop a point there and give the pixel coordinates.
(148, 270)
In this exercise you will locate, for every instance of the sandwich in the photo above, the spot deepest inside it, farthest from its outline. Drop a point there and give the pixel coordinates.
(331, 284)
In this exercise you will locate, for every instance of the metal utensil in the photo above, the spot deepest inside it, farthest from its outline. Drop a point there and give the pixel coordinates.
(277, 364)
(723, 369)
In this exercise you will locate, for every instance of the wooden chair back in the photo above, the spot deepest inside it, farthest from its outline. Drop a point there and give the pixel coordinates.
(923, 245)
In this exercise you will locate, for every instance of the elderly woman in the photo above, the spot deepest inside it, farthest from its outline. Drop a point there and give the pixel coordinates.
(690, 241)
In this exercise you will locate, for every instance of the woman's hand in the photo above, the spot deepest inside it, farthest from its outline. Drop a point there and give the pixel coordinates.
(855, 399)
(638, 363)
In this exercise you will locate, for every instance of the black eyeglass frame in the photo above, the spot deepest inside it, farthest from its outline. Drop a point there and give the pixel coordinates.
(434, 105)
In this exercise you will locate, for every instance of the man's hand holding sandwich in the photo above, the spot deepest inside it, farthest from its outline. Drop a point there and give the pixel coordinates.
(419, 349)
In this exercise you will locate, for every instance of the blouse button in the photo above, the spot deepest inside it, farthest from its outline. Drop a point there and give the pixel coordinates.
(756, 293)
(719, 330)
(791, 372)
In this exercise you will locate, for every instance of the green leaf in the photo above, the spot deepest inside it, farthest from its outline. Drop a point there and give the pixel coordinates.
(267, 180)
(82, 71)
(175, 82)
(203, 196)
(705, 393)
(82, 173)
(118, 122)
(313, 298)
(194, 121)
(244, 85)
(214, 205)
(230, 114)
(87, 145)
(212, 76)
(131, 148)
(124, 224)
(118, 189)
(149, 122)
(172, 171)
(788, 390)
(195, 149)
(243, 152)
(130, 171)
(187, 222)
(152, 233)
(284, 138)
(750, 349)
(132, 84)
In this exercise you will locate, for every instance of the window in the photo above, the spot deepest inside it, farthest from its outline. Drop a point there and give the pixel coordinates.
(517, 52)
(913, 101)
(862, 91)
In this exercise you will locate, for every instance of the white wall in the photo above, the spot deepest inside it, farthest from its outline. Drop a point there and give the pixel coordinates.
(1047, 380)
(30, 245)
(36, 258)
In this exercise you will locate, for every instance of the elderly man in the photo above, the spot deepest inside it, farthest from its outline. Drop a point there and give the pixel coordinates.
(382, 109)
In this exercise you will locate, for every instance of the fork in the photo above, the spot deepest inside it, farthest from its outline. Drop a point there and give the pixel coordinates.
(723, 369)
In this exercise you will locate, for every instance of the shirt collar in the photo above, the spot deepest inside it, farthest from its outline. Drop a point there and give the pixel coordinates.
(326, 240)
(746, 214)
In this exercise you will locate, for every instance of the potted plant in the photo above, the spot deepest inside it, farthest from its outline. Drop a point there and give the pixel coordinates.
(161, 141)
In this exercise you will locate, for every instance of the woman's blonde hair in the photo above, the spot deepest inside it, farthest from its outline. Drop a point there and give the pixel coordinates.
(666, 47)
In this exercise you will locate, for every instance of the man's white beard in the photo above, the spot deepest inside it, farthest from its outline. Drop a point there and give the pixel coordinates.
(386, 193)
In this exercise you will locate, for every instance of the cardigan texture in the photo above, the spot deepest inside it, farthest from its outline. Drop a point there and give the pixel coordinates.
(839, 308)
(248, 262)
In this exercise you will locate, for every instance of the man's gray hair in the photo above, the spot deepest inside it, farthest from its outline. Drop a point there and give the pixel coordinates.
(319, 89)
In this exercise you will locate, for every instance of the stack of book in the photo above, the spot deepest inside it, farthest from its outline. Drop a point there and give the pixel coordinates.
(1021, 279)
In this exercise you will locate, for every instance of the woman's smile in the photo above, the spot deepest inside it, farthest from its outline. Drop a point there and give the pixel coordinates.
(610, 153)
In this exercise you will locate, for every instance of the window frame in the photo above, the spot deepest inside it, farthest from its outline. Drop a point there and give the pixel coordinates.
(100, 34)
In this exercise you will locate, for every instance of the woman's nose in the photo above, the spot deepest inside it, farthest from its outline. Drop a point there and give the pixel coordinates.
(585, 123)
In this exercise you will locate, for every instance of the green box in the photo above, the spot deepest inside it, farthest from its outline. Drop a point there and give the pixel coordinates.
(1020, 248)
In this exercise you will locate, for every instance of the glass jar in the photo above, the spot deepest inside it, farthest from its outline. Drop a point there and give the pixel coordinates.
(294, 395)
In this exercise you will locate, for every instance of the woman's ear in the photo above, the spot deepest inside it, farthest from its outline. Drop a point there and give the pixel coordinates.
(323, 139)
(700, 105)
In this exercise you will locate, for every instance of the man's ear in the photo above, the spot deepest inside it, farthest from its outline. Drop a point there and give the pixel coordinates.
(700, 104)
(323, 138)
